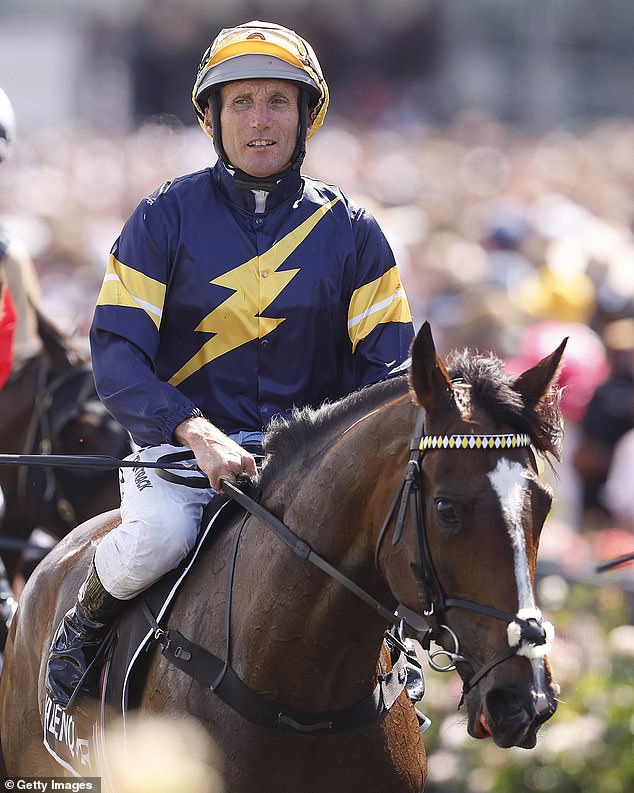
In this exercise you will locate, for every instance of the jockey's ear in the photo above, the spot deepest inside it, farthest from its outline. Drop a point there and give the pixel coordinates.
(312, 115)
(207, 122)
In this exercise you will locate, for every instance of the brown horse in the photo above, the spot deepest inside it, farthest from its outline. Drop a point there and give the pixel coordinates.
(444, 519)
(49, 405)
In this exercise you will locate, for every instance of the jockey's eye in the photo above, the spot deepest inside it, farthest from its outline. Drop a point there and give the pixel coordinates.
(447, 512)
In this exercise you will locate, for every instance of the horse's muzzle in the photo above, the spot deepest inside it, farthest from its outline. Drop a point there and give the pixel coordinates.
(508, 716)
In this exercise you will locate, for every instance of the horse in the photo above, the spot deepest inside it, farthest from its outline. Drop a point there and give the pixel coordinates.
(420, 493)
(50, 405)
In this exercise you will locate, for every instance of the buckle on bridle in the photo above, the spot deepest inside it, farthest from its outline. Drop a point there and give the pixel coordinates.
(453, 656)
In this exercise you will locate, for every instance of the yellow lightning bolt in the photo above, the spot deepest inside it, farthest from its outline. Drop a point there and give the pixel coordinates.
(256, 284)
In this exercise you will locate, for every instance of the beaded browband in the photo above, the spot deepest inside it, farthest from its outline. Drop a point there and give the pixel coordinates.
(509, 441)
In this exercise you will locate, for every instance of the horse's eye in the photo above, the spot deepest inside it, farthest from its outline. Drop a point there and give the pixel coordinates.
(447, 512)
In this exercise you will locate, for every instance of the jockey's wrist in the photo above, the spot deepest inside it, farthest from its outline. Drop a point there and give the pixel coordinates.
(172, 422)
(196, 429)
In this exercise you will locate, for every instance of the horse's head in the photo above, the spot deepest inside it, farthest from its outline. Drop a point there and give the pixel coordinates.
(65, 417)
(475, 542)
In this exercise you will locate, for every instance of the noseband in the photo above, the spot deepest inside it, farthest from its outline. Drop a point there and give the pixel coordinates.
(527, 633)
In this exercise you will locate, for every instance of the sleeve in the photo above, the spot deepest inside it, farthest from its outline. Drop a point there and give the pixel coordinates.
(124, 337)
(380, 327)
(7, 328)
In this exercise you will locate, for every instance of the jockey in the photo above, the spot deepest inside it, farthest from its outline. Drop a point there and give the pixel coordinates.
(233, 295)
(21, 296)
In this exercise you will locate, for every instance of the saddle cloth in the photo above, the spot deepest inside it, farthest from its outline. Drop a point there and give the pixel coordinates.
(76, 737)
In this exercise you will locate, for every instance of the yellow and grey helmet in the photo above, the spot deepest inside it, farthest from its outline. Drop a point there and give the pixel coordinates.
(7, 125)
(261, 50)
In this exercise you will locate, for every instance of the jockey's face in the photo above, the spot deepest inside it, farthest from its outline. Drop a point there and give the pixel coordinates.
(260, 124)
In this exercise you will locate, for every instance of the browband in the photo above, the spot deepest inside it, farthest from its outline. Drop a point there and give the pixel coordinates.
(509, 441)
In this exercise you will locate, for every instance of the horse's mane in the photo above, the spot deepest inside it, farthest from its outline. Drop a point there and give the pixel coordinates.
(491, 390)
(286, 436)
(56, 344)
(490, 387)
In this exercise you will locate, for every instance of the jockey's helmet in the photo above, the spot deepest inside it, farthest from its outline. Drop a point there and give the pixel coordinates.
(261, 50)
(7, 125)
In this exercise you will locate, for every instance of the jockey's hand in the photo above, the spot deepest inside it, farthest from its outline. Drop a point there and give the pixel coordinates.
(217, 456)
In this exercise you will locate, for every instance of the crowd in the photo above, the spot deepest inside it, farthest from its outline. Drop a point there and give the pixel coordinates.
(507, 241)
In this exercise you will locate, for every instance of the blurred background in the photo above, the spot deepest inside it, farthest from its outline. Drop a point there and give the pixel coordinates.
(494, 142)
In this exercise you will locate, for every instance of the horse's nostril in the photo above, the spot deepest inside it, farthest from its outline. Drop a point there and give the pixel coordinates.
(504, 705)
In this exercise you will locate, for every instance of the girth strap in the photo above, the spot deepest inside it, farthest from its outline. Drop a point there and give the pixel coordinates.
(206, 668)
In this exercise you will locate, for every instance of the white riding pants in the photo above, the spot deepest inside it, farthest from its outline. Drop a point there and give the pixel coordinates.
(160, 521)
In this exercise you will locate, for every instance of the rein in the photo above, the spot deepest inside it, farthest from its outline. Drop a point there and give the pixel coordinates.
(305, 551)
(527, 633)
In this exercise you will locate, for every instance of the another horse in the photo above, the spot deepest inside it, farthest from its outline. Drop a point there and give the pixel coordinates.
(344, 478)
(49, 405)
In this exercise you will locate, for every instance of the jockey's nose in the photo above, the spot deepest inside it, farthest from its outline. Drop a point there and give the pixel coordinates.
(261, 114)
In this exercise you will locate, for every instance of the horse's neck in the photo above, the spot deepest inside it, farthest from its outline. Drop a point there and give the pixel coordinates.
(291, 608)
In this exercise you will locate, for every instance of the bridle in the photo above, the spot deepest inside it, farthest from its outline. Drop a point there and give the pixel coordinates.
(528, 634)
(59, 400)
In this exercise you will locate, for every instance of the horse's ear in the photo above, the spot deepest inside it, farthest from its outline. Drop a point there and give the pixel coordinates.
(533, 383)
(428, 376)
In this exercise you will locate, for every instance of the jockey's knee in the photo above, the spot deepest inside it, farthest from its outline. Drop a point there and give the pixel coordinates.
(167, 549)
(137, 553)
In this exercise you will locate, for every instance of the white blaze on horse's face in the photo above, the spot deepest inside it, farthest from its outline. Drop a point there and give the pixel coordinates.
(509, 480)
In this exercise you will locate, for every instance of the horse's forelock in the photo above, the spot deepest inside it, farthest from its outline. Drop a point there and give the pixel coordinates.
(491, 389)
(489, 386)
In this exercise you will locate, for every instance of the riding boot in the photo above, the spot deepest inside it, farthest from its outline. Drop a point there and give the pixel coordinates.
(78, 638)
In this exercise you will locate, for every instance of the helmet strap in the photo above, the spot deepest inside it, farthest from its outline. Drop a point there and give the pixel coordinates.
(266, 183)
(300, 147)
